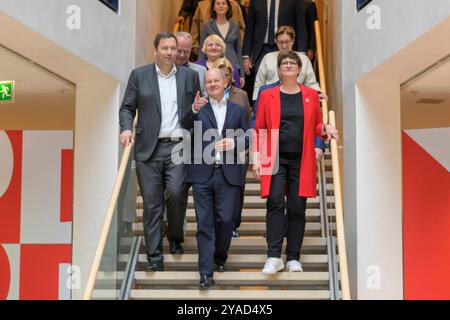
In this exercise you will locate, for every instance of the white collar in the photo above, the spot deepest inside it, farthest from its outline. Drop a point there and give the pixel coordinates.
(171, 73)
(222, 102)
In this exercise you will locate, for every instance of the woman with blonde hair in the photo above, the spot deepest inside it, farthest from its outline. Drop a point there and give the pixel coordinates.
(214, 48)
(221, 25)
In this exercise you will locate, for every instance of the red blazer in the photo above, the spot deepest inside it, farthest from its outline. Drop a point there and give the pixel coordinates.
(266, 140)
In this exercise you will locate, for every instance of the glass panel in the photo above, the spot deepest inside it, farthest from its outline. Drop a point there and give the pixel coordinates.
(112, 4)
(360, 4)
(111, 276)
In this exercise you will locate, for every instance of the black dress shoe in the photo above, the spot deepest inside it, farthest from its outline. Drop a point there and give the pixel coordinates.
(175, 247)
(154, 267)
(220, 267)
(206, 282)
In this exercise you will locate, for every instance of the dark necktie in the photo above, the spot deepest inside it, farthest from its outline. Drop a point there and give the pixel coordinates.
(271, 38)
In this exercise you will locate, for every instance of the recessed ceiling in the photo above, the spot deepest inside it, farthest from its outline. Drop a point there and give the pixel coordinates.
(33, 84)
(425, 99)
(432, 85)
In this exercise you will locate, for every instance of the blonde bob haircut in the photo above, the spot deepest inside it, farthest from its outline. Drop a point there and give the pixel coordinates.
(215, 39)
(225, 64)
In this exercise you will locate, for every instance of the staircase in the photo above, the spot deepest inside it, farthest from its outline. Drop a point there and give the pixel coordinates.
(247, 255)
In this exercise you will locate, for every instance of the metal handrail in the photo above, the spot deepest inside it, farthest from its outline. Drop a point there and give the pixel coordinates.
(329, 117)
(109, 218)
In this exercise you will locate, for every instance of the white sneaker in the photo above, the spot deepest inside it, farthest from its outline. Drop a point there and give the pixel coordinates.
(294, 266)
(273, 265)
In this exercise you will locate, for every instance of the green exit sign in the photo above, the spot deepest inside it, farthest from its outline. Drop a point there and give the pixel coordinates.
(7, 91)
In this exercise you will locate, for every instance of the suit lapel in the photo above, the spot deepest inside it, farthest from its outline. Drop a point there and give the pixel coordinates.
(180, 76)
(210, 115)
(228, 116)
(154, 85)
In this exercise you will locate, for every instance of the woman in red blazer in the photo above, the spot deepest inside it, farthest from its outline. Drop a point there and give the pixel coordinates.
(287, 121)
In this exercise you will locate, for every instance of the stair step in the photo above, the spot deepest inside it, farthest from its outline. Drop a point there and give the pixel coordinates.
(235, 261)
(233, 278)
(253, 189)
(230, 294)
(246, 228)
(251, 202)
(254, 245)
(250, 215)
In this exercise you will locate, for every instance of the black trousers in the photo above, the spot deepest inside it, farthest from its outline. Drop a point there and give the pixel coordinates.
(215, 203)
(162, 185)
(288, 173)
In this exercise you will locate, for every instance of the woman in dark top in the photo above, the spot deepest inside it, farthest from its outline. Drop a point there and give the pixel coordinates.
(287, 121)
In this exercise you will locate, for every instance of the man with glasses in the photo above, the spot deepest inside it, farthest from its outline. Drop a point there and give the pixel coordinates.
(183, 54)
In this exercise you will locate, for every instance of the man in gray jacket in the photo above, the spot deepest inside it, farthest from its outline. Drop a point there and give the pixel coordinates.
(184, 52)
(163, 93)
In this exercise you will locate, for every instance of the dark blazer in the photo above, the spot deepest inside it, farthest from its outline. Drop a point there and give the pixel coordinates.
(257, 22)
(232, 40)
(143, 94)
(199, 171)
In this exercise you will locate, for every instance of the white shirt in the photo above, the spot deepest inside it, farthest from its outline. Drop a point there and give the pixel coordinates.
(220, 112)
(277, 9)
(268, 72)
(169, 103)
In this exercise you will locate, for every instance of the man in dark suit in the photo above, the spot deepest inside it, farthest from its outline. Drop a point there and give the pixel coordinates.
(217, 174)
(163, 94)
(264, 18)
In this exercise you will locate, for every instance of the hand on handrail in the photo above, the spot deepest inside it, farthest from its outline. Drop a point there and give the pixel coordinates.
(323, 97)
(331, 132)
(179, 20)
(126, 138)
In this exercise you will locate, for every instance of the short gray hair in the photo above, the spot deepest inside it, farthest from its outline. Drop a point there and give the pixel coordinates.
(184, 34)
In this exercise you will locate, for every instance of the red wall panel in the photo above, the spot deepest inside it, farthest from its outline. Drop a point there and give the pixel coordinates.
(426, 224)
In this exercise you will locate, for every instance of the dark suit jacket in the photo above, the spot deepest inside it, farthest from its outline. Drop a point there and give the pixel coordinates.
(143, 94)
(200, 171)
(257, 22)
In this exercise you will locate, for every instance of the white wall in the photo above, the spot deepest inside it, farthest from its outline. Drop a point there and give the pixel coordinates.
(381, 60)
(98, 59)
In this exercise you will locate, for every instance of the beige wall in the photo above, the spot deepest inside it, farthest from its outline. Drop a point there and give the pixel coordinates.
(152, 16)
(425, 116)
(40, 115)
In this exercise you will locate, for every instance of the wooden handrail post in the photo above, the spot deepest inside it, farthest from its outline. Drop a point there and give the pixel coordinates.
(323, 83)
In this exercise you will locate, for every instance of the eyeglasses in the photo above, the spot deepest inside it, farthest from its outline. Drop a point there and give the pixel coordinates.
(283, 43)
(286, 63)
(184, 52)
